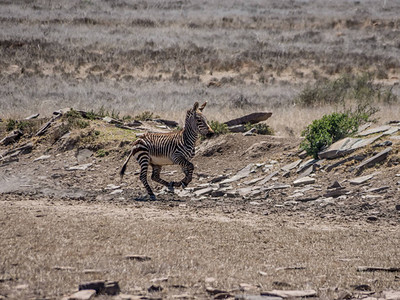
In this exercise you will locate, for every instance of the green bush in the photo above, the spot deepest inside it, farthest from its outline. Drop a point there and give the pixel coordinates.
(11, 124)
(75, 119)
(327, 130)
(219, 128)
(261, 128)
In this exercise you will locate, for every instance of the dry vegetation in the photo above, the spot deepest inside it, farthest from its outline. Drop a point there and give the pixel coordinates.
(127, 57)
(160, 56)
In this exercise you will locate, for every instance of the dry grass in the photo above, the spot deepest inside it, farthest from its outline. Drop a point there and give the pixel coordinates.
(186, 245)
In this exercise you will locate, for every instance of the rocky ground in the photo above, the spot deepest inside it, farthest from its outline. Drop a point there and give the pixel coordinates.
(64, 186)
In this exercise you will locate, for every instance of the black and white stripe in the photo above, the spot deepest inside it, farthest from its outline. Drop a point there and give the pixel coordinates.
(176, 148)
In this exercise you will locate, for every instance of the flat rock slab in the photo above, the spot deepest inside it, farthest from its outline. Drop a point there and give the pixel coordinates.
(375, 130)
(82, 295)
(374, 159)
(138, 257)
(361, 179)
(377, 269)
(290, 294)
(80, 167)
(304, 181)
(391, 295)
(250, 118)
(305, 165)
(256, 297)
(291, 166)
(205, 191)
(43, 157)
(241, 174)
(346, 146)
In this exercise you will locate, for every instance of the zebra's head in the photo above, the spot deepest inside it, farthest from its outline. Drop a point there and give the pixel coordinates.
(197, 121)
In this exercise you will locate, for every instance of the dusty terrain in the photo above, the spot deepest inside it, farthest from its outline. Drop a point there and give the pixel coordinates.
(67, 218)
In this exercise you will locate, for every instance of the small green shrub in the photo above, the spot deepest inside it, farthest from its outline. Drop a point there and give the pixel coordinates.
(327, 130)
(75, 119)
(11, 124)
(102, 153)
(219, 128)
(261, 128)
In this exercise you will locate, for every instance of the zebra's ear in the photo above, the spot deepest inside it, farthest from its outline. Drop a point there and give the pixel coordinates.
(195, 106)
(202, 107)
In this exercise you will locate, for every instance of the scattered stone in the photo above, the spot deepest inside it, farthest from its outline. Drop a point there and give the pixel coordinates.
(361, 179)
(218, 178)
(61, 268)
(262, 273)
(278, 186)
(112, 186)
(307, 199)
(305, 165)
(32, 117)
(244, 191)
(83, 295)
(253, 181)
(92, 271)
(335, 185)
(364, 127)
(341, 162)
(46, 126)
(116, 192)
(375, 130)
(251, 132)
(168, 123)
(304, 181)
(154, 288)
(377, 269)
(346, 146)
(112, 120)
(205, 191)
(237, 128)
(378, 190)
(372, 218)
(83, 154)
(362, 287)
(250, 118)
(43, 157)
(302, 155)
(256, 297)
(384, 144)
(246, 171)
(291, 165)
(138, 257)
(217, 193)
(162, 279)
(397, 207)
(215, 291)
(11, 138)
(245, 287)
(335, 192)
(391, 295)
(268, 178)
(374, 159)
(80, 167)
(290, 293)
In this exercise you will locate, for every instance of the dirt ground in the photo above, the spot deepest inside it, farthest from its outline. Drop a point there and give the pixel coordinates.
(63, 227)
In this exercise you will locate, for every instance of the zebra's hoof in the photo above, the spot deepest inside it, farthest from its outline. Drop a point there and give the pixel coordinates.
(171, 187)
(152, 197)
(183, 185)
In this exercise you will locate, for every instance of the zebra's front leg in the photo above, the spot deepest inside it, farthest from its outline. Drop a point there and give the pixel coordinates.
(187, 168)
(144, 165)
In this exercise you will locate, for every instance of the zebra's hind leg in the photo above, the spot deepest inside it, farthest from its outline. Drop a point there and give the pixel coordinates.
(156, 177)
(144, 165)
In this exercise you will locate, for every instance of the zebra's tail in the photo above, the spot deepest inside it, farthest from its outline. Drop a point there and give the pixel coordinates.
(135, 148)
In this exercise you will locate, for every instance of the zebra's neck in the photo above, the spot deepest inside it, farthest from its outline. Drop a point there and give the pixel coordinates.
(189, 135)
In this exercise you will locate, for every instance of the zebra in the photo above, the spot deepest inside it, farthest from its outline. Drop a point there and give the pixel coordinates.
(175, 148)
